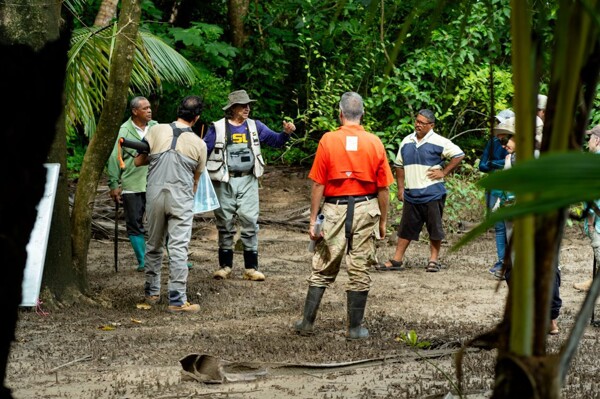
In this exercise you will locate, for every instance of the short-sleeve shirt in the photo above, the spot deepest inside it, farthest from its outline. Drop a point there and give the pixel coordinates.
(418, 157)
(189, 144)
(351, 161)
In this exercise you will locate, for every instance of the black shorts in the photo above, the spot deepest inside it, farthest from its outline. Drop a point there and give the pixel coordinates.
(414, 216)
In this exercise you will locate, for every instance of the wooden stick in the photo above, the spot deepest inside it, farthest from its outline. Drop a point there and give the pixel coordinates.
(81, 359)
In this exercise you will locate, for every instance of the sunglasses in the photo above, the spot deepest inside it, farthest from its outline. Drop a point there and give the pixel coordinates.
(504, 140)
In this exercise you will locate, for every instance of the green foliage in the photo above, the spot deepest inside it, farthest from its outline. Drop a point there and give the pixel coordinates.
(410, 339)
(76, 147)
(202, 45)
(465, 200)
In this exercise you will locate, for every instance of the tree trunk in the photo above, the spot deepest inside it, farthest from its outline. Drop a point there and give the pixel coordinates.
(33, 71)
(59, 277)
(103, 140)
(108, 10)
(237, 10)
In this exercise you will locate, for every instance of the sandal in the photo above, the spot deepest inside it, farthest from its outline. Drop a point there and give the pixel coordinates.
(433, 266)
(394, 265)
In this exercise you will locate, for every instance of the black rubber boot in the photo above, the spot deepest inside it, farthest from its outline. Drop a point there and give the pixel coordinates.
(313, 300)
(225, 258)
(251, 260)
(357, 301)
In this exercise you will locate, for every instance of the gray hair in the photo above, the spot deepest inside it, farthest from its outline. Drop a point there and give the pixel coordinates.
(427, 113)
(351, 106)
(135, 102)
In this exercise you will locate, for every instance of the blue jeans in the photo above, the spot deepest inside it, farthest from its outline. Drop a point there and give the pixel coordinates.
(500, 230)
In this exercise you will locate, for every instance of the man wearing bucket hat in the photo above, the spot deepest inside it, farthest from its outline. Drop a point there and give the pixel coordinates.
(591, 223)
(492, 159)
(234, 164)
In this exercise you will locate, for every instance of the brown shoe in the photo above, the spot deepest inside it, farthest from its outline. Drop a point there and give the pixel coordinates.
(253, 275)
(185, 308)
(584, 287)
(152, 299)
(223, 273)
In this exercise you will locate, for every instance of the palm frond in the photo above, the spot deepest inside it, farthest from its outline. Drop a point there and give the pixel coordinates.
(554, 181)
(89, 64)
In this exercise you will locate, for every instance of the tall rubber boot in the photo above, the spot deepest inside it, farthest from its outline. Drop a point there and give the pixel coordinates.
(357, 301)
(225, 264)
(251, 267)
(139, 248)
(225, 257)
(311, 305)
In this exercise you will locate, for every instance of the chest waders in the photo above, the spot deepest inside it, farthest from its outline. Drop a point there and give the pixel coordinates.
(169, 207)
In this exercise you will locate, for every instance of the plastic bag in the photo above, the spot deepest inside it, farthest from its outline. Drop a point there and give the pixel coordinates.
(318, 226)
(205, 199)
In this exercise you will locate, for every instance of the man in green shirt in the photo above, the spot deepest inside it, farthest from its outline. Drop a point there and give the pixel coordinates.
(128, 185)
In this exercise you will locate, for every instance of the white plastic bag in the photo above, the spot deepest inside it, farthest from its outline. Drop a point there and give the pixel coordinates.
(318, 226)
(205, 199)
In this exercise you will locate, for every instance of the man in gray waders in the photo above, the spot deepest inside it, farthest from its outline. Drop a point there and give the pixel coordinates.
(234, 165)
(176, 158)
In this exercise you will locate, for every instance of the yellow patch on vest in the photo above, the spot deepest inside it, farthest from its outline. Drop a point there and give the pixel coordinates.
(239, 138)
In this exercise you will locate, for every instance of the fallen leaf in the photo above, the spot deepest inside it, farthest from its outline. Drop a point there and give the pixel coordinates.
(107, 328)
(143, 306)
(136, 321)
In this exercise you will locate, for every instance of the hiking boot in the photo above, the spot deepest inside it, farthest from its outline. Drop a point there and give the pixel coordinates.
(152, 299)
(185, 308)
(223, 273)
(253, 275)
(140, 268)
(584, 287)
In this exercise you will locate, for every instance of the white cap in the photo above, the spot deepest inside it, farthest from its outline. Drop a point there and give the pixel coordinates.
(504, 115)
(541, 101)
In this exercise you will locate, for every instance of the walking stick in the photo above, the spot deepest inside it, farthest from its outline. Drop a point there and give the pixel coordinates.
(116, 236)
(593, 321)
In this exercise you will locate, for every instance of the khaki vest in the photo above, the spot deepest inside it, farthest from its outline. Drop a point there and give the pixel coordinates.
(217, 161)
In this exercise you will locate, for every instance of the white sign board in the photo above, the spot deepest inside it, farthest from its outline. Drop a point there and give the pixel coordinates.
(38, 241)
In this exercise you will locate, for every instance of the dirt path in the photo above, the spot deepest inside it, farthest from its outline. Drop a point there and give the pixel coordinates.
(251, 322)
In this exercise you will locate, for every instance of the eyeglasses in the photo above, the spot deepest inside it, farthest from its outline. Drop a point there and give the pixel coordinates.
(418, 122)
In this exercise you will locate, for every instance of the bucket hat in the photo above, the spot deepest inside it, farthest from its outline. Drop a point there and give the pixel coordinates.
(595, 131)
(237, 97)
(506, 127)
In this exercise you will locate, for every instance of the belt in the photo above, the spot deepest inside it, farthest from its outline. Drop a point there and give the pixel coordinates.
(343, 199)
(349, 200)
(239, 174)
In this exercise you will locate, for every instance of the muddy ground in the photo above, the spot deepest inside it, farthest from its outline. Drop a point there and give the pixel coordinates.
(120, 351)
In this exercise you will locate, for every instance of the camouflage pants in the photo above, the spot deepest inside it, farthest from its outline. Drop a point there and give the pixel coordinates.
(332, 249)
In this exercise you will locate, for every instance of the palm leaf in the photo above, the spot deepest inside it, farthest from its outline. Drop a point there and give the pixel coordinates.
(87, 72)
(553, 181)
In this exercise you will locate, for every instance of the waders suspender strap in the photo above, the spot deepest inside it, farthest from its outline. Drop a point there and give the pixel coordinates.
(177, 132)
(348, 222)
